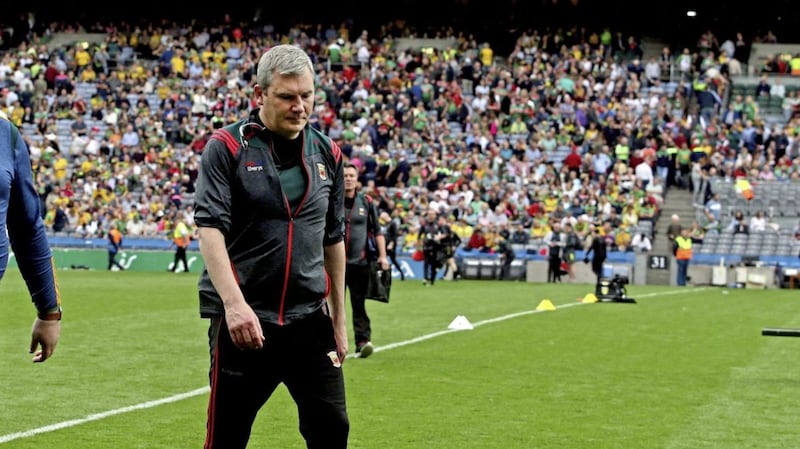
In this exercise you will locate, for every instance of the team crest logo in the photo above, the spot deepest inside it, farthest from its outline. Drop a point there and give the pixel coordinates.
(323, 173)
(334, 358)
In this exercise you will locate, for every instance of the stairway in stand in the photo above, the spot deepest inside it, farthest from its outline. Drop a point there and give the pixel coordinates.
(676, 201)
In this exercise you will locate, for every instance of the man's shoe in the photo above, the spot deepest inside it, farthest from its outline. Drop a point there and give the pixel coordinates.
(365, 350)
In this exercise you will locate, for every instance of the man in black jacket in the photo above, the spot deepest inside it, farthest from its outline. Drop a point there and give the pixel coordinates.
(391, 233)
(362, 230)
(270, 217)
(431, 238)
(597, 247)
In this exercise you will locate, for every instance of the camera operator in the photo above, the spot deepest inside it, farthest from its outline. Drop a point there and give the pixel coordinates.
(431, 237)
(449, 242)
(507, 256)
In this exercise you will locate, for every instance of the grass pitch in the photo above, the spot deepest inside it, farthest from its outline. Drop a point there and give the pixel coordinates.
(683, 368)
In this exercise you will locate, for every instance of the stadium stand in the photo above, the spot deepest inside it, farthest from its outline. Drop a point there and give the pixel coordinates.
(485, 138)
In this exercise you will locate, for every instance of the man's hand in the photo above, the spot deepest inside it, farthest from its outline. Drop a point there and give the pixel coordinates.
(340, 335)
(44, 335)
(244, 326)
(383, 263)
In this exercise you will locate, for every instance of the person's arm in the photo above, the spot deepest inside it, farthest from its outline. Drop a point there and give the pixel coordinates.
(187, 237)
(28, 238)
(335, 254)
(213, 218)
(588, 248)
(335, 260)
(380, 239)
(456, 240)
(391, 242)
(243, 324)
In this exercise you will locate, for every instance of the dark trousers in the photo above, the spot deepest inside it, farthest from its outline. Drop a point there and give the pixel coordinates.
(356, 279)
(297, 355)
(597, 268)
(505, 268)
(180, 256)
(392, 255)
(430, 265)
(683, 269)
(112, 260)
(554, 269)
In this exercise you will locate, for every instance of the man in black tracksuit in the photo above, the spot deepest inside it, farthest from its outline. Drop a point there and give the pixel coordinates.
(391, 232)
(555, 241)
(269, 207)
(431, 237)
(361, 221)
(597, 247)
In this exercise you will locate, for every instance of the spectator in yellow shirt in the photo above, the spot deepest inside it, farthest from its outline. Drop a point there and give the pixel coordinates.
(82, 57)
(462, 229)
(550, 202)
(539, 229)
(623, 239)
(411, 240)
(60, 164)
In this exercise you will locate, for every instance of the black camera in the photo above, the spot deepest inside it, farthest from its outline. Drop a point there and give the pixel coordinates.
(613, 290)
(620, 280)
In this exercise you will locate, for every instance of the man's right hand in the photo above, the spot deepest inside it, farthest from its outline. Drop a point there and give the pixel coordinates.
(244, 326)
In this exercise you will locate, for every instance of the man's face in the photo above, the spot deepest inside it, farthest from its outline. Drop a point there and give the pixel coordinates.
(287, 103)
(350, 178)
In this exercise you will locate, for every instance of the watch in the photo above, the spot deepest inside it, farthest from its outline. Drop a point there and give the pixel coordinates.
(51, 315)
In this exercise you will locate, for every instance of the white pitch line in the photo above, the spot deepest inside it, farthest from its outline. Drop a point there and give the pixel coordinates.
(476, 324)
(510, 316)
(204, 390)
(98, 416)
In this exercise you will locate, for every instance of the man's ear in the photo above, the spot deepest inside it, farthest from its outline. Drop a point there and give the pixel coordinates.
(259, 94)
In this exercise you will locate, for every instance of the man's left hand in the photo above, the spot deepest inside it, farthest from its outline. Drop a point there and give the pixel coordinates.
(44, 337)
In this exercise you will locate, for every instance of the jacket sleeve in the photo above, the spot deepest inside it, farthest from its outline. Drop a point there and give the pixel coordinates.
(374, 224)
(27, 232)
(213, 190)
(334, 219)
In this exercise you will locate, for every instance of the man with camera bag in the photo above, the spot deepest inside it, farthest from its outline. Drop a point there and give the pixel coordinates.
(362, 230)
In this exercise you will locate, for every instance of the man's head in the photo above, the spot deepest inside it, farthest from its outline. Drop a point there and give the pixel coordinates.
(350, 172)
(430, 215)
(285, 90)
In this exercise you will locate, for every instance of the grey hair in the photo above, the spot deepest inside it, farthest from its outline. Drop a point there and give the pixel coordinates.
(285, 59)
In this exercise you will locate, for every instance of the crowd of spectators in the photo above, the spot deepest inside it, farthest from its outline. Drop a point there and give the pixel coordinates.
(572, 127)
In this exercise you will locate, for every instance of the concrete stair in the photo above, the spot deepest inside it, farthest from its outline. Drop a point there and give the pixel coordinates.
(651, 47)
(676, 201)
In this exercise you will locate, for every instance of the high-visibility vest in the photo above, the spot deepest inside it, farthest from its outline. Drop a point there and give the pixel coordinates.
(794, 65)
(684, 251)
(181, 235)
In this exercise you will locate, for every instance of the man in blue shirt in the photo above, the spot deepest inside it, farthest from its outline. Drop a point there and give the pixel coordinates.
(22, 226)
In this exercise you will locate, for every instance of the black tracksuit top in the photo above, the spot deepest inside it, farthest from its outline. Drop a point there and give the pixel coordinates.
(277, 254)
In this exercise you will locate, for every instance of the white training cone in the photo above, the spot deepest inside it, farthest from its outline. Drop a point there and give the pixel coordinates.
(461, 323)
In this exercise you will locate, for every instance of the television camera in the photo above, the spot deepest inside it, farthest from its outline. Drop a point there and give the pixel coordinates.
(613, 289)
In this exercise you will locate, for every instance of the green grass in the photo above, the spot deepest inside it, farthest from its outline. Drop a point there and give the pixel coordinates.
(683, 368)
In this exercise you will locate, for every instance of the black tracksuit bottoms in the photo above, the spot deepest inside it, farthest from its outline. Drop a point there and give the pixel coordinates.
(356, 280)
(302, 356)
